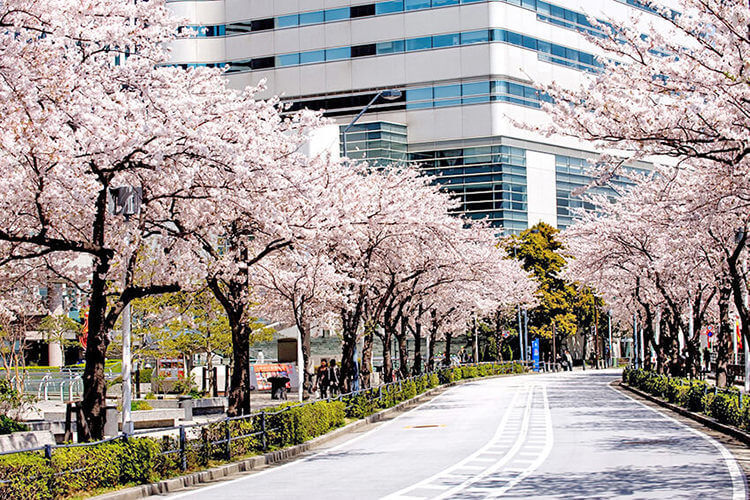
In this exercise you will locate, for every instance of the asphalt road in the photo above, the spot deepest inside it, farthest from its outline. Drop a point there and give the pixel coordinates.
(565, 435)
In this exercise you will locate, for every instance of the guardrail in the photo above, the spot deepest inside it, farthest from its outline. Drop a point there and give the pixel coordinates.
(259, 430)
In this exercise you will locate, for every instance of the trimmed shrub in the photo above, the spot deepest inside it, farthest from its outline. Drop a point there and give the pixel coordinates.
(142, 460)
(29, 476)
(8, 425)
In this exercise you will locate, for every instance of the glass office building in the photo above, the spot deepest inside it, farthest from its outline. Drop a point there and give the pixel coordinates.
(466, 70)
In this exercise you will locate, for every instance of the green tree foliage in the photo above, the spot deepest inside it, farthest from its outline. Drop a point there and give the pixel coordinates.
(183, 324)
(59, 328)
(567, 304)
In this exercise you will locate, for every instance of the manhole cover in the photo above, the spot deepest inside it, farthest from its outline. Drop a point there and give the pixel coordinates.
(426, 426)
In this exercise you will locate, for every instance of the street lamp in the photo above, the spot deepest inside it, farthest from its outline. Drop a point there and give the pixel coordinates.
(388, 95)
(609, 328)
(126, 201)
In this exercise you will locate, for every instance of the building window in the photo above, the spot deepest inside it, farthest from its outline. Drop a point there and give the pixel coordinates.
(363, 50)
(262, 24)
(263, 62)
(362, 10)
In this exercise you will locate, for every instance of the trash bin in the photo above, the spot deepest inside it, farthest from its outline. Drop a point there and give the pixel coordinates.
(278, 387)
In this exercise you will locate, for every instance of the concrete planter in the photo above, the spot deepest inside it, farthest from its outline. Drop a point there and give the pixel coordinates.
(25, 440)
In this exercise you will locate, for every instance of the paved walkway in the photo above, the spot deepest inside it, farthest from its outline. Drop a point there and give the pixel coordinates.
(565, 435)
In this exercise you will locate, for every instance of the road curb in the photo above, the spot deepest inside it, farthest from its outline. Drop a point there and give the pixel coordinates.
(698, 417)
(256, 462)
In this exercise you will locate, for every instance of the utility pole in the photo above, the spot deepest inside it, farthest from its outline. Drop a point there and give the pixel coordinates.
(476, 340)
(126, 201)
(520, 334)
(554, 349)
(635, 340)
(609, 328)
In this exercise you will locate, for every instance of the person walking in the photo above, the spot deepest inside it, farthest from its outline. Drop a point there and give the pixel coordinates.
(322, 380)
(333, 378)
(569, 360)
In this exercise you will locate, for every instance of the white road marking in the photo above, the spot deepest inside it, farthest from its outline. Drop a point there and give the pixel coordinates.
(542, 456)
(739, 483)
(401, 494)
(271, 468)
(521, 436)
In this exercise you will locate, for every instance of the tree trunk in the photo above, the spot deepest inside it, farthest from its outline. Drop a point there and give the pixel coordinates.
(348, 348)
(431, 349)
(94, 383)
(307, 380)
(403, 351)
(366, 370)
(724, 338)
(417, 333)
(448, 338)
(387, 372)
(239, 391)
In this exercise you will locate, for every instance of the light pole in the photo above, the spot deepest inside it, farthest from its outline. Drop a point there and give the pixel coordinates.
(609, 329)
(126, 201)
(635, 341)
(388, 95)
(525, 331)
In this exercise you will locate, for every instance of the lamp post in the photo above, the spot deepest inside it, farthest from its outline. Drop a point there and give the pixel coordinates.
(388, 95)
(525, 332)
(609, 330)
(126, 201)
(635, 340)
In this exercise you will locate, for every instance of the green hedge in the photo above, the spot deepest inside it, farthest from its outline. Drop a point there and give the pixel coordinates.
(142, 460)
(725, 405)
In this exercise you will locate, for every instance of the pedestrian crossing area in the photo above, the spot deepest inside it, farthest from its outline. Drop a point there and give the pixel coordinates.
(521, 443)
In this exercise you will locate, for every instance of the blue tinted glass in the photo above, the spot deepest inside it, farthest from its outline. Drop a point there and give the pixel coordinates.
(285, 21)
(419, 105)
(419, 94)
(542, 7)
(338, 53)
(440, 3)
(558, 50)
(446, 40)
(312, 17)
(417, 4)
(337, 14)
(543, 46)
(513, 38)
(476, 88)
(470, 37)
(476, 100)
(528, 42)
(586, 58)
(447, 91)
(500, 87)
(499, 36)
(419, 43)
(312, 56)
(388, 7)
(287, 60)
(471, 1)
(529, 4)
(389, 47)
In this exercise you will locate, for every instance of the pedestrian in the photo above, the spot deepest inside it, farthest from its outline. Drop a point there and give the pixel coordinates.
(321, 379)
(333, 378)
(569, 360)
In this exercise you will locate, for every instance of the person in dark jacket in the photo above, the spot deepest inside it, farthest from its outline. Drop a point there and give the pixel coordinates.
(322, 379)
(334, 378)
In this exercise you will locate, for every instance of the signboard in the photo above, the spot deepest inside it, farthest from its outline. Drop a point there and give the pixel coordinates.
(535, 354)
(260, 373)
(170, 370)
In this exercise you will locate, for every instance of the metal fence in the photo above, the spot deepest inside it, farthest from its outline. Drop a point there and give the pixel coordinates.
(228, 437)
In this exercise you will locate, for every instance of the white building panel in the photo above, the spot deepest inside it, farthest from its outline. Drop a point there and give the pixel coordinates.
(541, 188)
